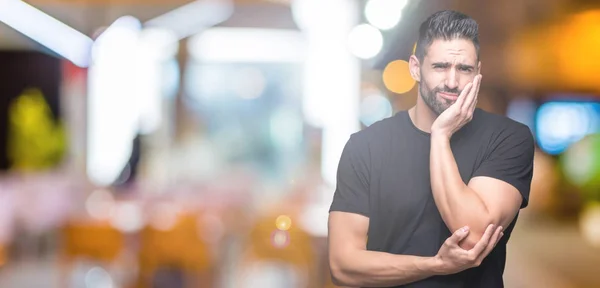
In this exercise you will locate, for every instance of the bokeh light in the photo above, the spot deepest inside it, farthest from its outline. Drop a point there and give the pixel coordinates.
(365, 41)
(579, 33)
(280, 239)
(560, 124)
(589, 223)
(98, 278)
(128, 217)
(249, 83)
(164, 216)
(384, 14)
(581, 165)
(373, 108)
(283, 222)
(100, 204)
(397, 78)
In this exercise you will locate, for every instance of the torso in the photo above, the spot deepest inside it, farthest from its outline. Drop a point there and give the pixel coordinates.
(403, 216)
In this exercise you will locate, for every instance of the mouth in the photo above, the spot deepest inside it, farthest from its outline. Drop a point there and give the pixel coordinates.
(448, 96)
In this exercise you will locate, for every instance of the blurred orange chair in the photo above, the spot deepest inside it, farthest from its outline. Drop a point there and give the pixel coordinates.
(179, 246)
(293, 246)
(97, 241)
(2, 255)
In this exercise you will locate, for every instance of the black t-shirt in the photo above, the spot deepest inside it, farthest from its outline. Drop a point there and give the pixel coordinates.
(384, 174)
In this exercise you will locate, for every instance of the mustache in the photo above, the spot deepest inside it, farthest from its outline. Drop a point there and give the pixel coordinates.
(447, 90)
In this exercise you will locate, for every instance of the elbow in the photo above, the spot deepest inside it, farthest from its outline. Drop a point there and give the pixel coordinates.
(471, 240)
(477, 232)
(339, 276)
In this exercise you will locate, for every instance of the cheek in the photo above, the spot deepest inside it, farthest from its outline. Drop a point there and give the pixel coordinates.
(434, 79)
(464, 81)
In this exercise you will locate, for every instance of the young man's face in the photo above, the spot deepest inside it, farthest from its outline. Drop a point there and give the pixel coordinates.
(447, 67)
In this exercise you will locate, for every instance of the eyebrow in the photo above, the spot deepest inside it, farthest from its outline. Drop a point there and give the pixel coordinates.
(465, 66)
(447, 64)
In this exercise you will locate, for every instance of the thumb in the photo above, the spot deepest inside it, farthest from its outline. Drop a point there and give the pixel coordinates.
(459, 235)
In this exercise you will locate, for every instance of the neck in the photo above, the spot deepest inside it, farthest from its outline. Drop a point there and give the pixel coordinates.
(422, 116)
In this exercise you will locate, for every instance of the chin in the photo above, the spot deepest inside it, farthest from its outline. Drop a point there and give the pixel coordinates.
(442, 109)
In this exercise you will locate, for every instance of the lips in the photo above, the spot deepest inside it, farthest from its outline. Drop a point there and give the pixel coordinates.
(448, 96)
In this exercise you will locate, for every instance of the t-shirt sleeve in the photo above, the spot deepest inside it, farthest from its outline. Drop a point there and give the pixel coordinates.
(511, 160)
(352, 184)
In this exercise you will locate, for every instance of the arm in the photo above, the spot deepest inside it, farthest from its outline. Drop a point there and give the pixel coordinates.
(484, 201)
(352, 265)
(504, 177)
(350, 262)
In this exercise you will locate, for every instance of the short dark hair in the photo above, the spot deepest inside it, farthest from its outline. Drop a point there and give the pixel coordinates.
(446, 25)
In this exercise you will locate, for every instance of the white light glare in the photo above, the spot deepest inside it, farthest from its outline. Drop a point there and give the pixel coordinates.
(112, 117)
(193, 17)
(384, 14)
(365, 41)
(51, 33)
(247, 45)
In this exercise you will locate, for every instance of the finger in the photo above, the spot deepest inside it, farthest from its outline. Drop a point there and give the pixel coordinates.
(495, 238)
(499, 238)
(476, 95)
(483, 242)
(471, 96)
(460, 102)
(458, 236)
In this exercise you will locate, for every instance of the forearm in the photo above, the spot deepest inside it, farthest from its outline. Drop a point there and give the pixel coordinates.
(361, 268)
(458, 204)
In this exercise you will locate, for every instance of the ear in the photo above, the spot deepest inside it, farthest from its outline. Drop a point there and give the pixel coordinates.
(479, 68)
(415, 68)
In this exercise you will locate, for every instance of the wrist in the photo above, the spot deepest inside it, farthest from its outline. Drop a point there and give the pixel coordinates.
(434, 265)
(439, 135)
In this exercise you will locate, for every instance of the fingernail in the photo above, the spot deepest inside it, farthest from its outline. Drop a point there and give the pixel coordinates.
(501, 228)
(501, 234)
(465, 229)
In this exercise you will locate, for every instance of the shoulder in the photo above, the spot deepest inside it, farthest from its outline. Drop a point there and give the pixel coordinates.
(504, 133)
(378, 130)
(502, 126)
(371, 140)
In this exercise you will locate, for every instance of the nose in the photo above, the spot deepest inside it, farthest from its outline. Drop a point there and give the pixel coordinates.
(451, 79)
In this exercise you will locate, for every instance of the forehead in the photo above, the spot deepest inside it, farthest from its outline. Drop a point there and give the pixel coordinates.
(461, 50)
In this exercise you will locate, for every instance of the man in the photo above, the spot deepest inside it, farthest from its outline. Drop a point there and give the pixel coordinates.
(429, 197)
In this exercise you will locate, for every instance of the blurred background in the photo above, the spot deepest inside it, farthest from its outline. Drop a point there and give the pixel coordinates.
(149, 143)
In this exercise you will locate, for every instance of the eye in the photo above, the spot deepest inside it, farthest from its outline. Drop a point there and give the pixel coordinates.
(439, 67)
(465, 69)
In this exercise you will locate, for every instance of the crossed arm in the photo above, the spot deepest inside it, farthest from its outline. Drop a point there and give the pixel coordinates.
(481, 202)
(351, 264)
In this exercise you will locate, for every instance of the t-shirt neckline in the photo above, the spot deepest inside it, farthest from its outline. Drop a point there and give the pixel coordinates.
(409, 122)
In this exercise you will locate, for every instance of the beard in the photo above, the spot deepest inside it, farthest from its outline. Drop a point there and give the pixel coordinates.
(436, 104)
